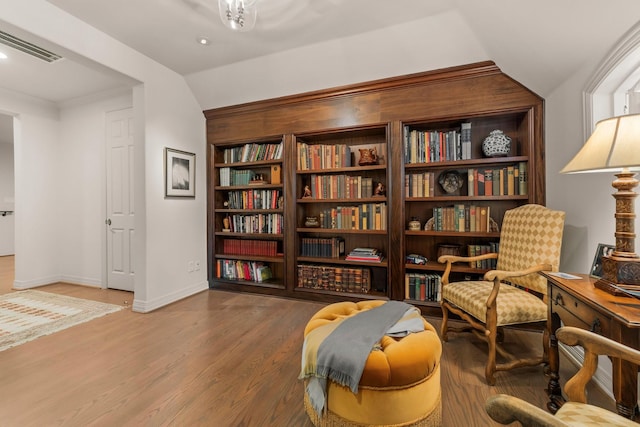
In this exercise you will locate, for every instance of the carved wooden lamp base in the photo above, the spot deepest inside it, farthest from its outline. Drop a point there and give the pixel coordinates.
(622, 268)
(619, 273)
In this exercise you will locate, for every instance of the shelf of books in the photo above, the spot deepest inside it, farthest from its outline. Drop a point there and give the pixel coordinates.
(342, 208)
(248, 214)
(456, 192)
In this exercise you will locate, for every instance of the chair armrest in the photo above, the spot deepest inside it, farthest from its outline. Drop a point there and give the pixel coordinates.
(456, 258)
(507, 409)
(503, 274)
(597, 344)
(451, 259)
(594, 345)
(497, 276)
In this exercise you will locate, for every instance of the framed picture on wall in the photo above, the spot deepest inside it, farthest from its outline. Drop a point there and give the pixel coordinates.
(180, 173)
(596, 267)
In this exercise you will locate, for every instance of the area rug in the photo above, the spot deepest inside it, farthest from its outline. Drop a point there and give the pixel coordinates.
(27, 315)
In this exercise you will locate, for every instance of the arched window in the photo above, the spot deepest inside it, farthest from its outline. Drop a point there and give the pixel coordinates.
(614, 89)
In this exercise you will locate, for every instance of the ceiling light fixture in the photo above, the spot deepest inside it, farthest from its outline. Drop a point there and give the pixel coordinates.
(238, 15)
(204, 41)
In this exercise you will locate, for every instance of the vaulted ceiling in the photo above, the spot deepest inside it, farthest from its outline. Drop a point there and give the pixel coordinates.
(542, 42)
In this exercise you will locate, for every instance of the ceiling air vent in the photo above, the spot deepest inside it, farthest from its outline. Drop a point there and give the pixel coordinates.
(29, 48)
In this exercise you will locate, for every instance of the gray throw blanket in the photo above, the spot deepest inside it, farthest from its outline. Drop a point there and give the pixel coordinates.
(342, 354)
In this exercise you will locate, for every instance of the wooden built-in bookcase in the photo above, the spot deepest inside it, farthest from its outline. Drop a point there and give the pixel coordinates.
(315, 174)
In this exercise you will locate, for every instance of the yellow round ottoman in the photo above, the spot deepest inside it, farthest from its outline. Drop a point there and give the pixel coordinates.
(400, 385)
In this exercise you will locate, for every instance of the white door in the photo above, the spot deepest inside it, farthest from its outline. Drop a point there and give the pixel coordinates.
(120, 206)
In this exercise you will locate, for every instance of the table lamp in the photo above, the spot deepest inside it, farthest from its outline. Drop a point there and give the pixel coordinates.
(614, 146)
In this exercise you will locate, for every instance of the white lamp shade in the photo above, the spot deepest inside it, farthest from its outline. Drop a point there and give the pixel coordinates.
(614, 145)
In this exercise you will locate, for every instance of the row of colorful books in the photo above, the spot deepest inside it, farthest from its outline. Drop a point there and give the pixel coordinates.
(250, 247)
(462, 218)
(254, 271)
(437, 146)
(365, 255)
(339, 279)
(252, 152)
(367, 216)
(341, 187)
(421, 184)
(324, 247)
(486, 264)
(506, 181)
(254, 199)
(267, 223)
(423, 286)
(323, 156)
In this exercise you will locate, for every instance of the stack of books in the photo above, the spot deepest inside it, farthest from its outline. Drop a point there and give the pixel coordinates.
(338, 279)
(365, 254)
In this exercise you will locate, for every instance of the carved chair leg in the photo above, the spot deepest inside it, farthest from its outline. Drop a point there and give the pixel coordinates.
(490, 368)
(443, 325)
(502, 352)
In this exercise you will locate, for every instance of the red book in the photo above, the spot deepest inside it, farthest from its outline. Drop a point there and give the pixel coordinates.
(488, 182)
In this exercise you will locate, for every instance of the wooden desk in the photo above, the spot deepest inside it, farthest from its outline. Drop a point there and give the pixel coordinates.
(576, 302)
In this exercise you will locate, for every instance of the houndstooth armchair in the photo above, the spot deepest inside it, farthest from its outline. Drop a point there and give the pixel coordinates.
(514, 293)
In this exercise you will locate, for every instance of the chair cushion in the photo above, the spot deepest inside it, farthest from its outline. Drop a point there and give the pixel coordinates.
(514, 305)
(580, 414)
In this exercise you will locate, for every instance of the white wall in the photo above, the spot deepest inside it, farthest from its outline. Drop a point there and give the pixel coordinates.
(36, 142)
(585, 197)
(175, 228)
(6, 198)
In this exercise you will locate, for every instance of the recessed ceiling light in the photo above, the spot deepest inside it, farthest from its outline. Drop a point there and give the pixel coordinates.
(3, 55)
(203, 41)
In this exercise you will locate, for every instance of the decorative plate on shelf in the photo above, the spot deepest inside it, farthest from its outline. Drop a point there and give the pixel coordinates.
(450, 181)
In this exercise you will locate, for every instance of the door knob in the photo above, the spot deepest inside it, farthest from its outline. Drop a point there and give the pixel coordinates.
(108, 221)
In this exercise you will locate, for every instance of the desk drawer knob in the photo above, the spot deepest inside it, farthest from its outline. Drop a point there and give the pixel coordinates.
(558, 300)
(596, 327)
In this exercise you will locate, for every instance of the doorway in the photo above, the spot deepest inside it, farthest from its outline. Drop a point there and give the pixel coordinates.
(120, 199)
(7, 186)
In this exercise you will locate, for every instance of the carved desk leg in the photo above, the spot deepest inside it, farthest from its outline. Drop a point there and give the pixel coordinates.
(625, 376)
(554, 390)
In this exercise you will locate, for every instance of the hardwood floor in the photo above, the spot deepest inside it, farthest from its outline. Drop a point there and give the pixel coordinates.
(214, 359)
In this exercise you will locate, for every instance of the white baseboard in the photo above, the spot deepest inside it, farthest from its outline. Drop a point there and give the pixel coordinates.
(84, 281)
(147, 306)
(74, 280)
(34, 283)
(139, 306)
